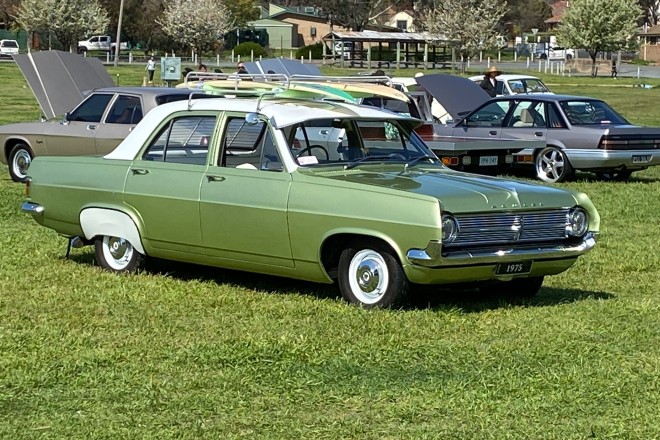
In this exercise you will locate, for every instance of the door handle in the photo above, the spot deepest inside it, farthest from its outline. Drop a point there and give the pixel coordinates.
(324, 131)
(214, 178)
(538, 133)
(139, 171)
(91, 127)
(492, 133)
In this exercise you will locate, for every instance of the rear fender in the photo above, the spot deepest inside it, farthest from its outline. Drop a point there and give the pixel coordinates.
(101, 221)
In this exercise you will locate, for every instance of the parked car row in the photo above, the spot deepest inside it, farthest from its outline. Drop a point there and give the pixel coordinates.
(266, 177)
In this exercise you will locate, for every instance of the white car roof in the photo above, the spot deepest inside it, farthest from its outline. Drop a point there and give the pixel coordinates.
(506, 77)
(281, 113)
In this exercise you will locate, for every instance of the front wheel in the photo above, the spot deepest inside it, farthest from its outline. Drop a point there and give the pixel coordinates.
(370, 276)
(552, 165)
(117, 254)
(19, 161)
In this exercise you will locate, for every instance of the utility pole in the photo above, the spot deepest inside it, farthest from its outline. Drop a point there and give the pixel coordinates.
(118, 41)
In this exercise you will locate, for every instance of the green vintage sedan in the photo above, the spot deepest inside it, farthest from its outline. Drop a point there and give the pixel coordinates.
(308, 189)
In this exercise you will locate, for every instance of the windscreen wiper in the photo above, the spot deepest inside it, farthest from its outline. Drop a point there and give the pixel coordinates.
(361, 160)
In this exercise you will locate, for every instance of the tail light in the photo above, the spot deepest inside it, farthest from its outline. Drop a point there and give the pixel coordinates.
(425, 131)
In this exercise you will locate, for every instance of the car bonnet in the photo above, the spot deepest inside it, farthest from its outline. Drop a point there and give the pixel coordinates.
(456, 94)
(461, 192)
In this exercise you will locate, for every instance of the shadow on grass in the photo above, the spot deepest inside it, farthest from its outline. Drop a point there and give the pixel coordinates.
(580, 176)
(474, 301)
(421, 297)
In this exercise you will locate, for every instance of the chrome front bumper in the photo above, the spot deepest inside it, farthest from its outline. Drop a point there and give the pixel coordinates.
(433, 256)
(32, 208)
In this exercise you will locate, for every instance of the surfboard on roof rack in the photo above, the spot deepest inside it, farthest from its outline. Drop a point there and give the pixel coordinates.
(278, 85)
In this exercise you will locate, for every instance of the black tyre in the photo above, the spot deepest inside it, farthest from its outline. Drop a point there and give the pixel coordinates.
(551, 165)
(371, 276)
(569, 57)
(544, 56)
(82, 50)
(117, 254)
(19, 161)
(516, 288)
(614, 176)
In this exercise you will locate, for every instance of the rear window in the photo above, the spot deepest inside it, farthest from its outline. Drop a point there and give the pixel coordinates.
(10, 43)
(164, 99)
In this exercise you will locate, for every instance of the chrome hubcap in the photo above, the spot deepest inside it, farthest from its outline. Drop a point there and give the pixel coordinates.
(117, 252)
(21, 163)
(368, 276)
(550, 165)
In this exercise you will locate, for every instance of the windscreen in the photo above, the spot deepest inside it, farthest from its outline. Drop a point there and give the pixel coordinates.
(347, 141)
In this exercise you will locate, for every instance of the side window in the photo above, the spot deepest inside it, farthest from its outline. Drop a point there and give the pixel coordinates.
(184, 140)
(491, 115)
(528, 114)
(92, 109)
(249, 146)
(554, 119)
(125, 110)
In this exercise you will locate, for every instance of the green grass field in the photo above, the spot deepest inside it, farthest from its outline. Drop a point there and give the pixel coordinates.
(189, 352)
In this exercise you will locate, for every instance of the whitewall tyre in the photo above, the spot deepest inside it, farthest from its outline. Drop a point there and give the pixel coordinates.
(117, 254)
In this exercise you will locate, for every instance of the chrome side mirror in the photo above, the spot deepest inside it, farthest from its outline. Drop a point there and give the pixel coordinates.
(251, 119)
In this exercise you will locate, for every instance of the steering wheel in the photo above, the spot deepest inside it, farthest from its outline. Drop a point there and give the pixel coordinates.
(309, 150)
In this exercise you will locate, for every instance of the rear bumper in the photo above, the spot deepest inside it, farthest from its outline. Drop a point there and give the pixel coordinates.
(34, 209)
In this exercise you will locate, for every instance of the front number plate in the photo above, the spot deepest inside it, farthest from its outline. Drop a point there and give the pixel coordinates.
(488, 161)
(641, 158)
(513, 268)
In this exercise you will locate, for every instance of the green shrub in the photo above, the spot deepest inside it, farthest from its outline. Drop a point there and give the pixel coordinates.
(245, 50)
(316, 49)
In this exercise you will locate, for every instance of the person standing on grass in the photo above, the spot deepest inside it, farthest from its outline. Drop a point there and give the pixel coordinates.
(489, 83)
(615, 71)
(151, 68)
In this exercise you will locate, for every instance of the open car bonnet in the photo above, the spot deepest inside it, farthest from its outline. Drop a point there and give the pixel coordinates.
(456, 94)
(59, 79)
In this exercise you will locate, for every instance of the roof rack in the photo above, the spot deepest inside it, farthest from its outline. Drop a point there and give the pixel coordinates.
(333, 88)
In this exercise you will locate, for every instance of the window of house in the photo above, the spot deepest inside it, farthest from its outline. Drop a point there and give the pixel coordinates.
(653, 41)
(312, 31)
(402, 24)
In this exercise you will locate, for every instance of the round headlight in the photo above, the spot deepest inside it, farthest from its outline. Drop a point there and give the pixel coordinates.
(578, 223)
(449, 229)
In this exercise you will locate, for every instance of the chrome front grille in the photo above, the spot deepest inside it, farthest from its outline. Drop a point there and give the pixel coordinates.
(511, 228)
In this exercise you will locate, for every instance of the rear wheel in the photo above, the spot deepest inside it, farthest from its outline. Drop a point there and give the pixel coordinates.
(19, 161)
(117, 254)
(552, 165)
(371, 276)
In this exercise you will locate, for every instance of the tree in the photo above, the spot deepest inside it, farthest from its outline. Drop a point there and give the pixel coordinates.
(650, 9)
(524, 15)
(355, 14)
(243, 11)
(68, 20)
(196, 23)
(597, 25)
(466, 25)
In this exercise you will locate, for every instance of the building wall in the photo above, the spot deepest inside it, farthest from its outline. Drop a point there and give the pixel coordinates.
(401, 16)
(650, 49)
(309, 32)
